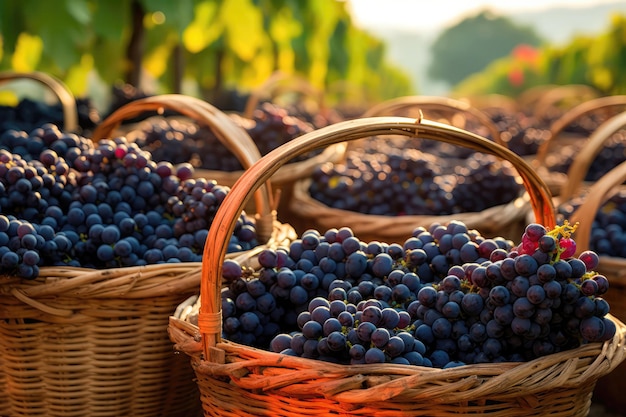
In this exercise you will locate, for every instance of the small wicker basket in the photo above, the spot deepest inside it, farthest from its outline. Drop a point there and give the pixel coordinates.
(85, 342)
(506, 220)
(60, 90)
(237, 380)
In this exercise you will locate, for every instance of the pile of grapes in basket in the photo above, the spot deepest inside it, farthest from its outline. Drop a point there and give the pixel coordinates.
(396, 177)
(67, 201)
(179, 141)
(445, 297)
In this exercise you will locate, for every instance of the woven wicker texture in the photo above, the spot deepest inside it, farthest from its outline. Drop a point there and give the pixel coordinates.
(60, 90)
(84, 342)
(507, 220)
(78, 342)
(236, 380)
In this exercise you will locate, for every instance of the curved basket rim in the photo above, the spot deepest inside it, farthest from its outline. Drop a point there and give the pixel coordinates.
(58, 87)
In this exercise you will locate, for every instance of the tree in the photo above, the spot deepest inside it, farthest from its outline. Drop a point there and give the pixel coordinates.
(475, 42)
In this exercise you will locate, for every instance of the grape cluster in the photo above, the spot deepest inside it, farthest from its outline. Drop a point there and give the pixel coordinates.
(483, 182)
(608, 229)
(522, 134)
(29, 114)
(446, 297)
(47, 136)
(177, 140)
(104, 205)
(612, 154)
(384, 179)
(313, 265)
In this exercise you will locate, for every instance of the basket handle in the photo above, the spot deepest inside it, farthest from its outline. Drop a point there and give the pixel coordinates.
(209, 319)
(278, 83)
(61, 91)
(585, 157)
(556, 94)
(390, 107)
(233, 136)
(597, 194)
(601, 103)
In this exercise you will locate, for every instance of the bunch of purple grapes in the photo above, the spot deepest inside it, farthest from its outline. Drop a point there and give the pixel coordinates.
(338, 264)
(611, 155)
(104, 205)
(178, 141)
(386, 179)
(446, 297)
(521, 133)
(30, 114)
(608, 228)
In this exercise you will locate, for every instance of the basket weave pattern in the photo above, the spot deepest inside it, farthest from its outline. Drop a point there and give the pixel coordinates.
(80, 342)
(237, 380)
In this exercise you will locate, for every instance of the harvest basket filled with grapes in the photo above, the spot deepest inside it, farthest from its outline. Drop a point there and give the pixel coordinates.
(100, 244)
(570, 133)
(337, 325)
(385, 186)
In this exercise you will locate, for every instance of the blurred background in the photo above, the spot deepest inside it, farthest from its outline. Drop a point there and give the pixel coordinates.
(356, 52)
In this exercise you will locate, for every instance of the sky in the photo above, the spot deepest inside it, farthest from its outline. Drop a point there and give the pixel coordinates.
(436, 14)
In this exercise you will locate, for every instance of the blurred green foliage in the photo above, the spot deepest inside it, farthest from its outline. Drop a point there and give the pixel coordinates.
(210, 45)
(596, 61)
(469, 46)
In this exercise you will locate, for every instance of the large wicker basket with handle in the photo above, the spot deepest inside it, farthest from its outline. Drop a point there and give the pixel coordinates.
(88, 342)
(237, 380)
(506, 220)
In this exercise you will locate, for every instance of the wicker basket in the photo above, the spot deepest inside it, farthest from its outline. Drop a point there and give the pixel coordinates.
(84, 342)
(237, 380)
(506, 220)
(557, 138)
(60, 90)
(199, 111)
(609, 388)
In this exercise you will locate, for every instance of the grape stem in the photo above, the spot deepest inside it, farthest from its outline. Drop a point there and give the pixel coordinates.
(559, 232)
